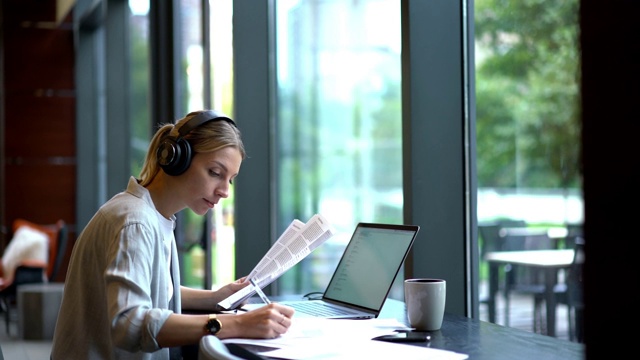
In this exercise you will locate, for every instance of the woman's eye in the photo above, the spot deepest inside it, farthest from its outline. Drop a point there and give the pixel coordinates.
(213, 173)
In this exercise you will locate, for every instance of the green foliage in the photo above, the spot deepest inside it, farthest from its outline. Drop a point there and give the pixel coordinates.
(527, 99)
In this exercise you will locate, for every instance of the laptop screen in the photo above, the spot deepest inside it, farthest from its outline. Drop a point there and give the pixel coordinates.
(370, 263)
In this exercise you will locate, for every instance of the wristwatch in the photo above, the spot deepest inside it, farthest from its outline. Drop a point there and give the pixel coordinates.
(213, 325)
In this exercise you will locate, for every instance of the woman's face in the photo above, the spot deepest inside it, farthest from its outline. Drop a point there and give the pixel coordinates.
(209, 177)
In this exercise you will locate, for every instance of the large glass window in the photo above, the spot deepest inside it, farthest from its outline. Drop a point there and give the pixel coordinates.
(190, 84)
(527, 101)
(139, 82)
(221, 93)
(208, 83)
(339, 143)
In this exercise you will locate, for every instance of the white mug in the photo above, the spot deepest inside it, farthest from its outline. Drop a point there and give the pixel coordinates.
(425, 301)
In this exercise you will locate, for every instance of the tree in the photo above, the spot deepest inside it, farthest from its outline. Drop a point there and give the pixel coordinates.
(527, 93)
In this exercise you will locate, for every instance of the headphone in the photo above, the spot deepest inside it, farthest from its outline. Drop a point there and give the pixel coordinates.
(174, 153)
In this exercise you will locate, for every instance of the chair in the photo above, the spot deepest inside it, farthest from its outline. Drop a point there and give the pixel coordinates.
(569, 293)
(519, 279)
(211, 348)
(490, 234)
(58, 239)
(29, 271)
(492, 241)
(574, 231)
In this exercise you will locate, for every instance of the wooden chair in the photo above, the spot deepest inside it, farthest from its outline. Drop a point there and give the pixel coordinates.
(32, 271)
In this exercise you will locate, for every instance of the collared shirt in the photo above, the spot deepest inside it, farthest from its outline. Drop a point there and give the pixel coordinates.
(116, 296)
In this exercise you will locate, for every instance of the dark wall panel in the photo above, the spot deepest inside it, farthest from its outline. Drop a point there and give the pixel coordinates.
(39, 126)
(38, 145)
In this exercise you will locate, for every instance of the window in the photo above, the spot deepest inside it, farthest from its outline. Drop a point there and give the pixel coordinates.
(527, 121)
(221, 97)
(139, 82)
(339, 143)
(314, 99)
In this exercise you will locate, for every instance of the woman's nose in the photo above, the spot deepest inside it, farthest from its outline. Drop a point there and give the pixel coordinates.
(223, 190)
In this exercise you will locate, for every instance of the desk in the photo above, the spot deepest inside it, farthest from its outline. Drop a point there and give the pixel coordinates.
(484, 340)
(550, 261)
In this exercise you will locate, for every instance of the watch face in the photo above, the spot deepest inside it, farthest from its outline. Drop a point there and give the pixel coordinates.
(213, 326)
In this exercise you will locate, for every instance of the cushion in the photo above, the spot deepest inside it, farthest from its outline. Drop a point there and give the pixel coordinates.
(52, 231)
(27, 244)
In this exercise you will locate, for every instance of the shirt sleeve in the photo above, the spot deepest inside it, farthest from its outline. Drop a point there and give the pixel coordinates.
(137, 285)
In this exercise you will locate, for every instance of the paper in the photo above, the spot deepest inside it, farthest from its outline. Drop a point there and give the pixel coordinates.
(314, 338)
(295, 243)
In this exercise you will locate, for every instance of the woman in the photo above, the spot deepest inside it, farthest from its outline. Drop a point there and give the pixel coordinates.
(122, 297)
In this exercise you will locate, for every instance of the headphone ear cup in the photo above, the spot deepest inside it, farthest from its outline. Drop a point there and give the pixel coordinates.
(174, 156)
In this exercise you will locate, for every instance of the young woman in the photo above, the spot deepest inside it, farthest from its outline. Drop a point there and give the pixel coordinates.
(122, 296)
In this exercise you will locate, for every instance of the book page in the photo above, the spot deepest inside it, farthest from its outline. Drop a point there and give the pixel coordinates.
(295, 243)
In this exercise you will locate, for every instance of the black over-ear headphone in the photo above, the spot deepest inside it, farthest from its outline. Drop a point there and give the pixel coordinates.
(174, 153)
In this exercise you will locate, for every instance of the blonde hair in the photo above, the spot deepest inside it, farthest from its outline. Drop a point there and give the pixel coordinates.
(208, 137)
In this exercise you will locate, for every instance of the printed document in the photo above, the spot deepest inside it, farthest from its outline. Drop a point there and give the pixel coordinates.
(315, 338)
(295, 243)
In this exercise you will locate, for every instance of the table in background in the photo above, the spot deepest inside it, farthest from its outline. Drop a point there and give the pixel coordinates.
(549, 261)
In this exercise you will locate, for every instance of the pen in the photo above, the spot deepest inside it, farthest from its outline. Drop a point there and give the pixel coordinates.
(260, 293)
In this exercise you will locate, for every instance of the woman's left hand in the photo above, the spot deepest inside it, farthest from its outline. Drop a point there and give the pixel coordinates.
(231, 288)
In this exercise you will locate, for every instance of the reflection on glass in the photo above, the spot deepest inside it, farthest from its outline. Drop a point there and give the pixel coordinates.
(339, 123)
(527, 123)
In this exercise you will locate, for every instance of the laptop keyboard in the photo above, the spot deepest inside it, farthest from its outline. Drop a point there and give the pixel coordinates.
(317, 308)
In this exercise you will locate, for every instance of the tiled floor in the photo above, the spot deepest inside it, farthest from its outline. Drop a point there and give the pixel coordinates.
(14, 348)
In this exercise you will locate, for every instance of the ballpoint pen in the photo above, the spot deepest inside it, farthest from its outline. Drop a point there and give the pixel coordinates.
(260, 293)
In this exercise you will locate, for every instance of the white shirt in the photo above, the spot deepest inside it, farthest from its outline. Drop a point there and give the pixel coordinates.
(116, 295)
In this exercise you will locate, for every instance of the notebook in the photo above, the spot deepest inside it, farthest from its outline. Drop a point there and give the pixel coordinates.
(365, 274)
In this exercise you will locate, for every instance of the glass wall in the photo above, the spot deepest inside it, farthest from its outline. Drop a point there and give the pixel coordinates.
(194, 89)
(207, 74)
(339, 118)
(139, 82)
(321, 110)
(221, 98)
(335, 117)
(527, 123)
(191, 82)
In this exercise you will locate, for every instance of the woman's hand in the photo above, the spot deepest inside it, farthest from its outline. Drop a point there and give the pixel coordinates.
(231, 288)
(266, 322)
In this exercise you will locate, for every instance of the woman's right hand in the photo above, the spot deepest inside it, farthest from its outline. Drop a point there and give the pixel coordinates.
(266, 322)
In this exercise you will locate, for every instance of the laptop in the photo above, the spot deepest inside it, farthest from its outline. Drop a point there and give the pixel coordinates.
(365, 274)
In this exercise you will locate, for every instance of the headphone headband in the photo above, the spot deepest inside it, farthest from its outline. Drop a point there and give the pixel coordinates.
(201, 118)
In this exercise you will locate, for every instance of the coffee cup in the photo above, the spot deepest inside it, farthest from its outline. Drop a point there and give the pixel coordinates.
(425, 301)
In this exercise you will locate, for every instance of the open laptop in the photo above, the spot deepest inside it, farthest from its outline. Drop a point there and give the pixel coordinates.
(365, 274)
